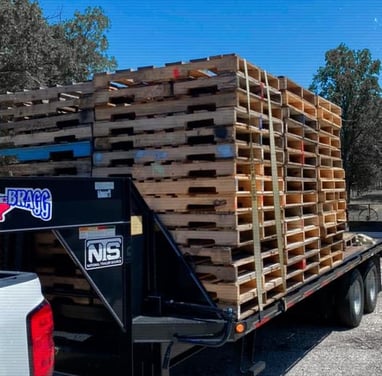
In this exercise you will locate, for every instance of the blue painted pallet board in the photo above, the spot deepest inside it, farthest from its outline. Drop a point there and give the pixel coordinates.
(44, 152)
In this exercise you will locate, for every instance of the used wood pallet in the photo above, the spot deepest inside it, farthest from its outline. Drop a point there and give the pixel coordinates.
(312, 125)
(65, 167)
(42, 103)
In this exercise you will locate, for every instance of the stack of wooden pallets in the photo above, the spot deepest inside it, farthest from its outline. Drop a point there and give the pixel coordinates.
(313, 172)
(332, 186)
(301, 212)
(196, 139)
(243, 168)
(47, 131)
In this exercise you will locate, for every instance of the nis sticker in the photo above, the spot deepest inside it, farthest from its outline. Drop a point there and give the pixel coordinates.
(37, 201)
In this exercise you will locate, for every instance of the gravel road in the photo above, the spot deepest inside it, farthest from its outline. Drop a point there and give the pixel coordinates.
(296, 345)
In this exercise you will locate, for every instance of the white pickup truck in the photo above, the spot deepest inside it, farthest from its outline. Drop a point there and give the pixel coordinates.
(26, 327)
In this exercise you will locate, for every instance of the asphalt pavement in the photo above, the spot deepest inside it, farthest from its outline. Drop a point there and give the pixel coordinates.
(301, 345)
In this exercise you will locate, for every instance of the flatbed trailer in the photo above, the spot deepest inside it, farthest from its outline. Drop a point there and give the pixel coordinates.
(158, 312)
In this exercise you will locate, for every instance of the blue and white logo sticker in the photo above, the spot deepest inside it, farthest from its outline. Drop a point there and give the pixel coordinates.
(35, 200)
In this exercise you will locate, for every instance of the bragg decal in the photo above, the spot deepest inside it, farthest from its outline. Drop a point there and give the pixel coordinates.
(37, 201)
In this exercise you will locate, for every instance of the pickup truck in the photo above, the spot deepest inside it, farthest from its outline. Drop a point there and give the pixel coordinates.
(26, 326)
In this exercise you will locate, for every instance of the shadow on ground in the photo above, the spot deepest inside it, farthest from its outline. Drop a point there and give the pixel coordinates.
(281, 344)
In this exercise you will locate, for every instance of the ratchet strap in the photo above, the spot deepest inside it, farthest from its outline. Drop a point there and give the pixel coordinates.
(254, 204)
(275, 186)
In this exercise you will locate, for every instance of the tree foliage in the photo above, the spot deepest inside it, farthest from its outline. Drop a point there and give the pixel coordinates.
(35, 53)
(350, 80)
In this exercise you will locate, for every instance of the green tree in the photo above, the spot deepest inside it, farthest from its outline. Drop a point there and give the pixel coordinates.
(35, 53)
(83, 45)
(350, 80)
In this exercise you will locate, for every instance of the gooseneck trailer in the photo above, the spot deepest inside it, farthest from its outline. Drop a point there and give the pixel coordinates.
(154, 310)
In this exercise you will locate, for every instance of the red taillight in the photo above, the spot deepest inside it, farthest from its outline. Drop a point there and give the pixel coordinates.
(40, 325)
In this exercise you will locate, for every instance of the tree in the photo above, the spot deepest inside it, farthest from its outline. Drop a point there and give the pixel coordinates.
(350, 80)
(84, 44)
(35, 53)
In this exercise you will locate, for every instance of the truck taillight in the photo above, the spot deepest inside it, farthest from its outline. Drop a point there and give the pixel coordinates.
(41, 345)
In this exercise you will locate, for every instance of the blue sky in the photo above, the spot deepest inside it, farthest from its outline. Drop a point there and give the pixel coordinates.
(284, 37)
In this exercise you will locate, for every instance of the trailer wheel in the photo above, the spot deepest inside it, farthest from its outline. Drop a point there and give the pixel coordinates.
(351, 298)
(371, 286)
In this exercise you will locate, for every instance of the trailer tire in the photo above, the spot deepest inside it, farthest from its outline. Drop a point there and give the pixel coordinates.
(350, 304)
(371, 286)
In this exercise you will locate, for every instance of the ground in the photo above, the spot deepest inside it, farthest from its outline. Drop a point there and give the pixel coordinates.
(297, 345)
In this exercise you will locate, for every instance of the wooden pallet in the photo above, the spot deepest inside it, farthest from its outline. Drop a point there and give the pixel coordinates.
(297, 239)
(301, 145)
(198, 136)
(336, 205)
(37, 96)
(51, 123)
(159, 139)
(240, 293)
(161, 90)
(182, 71)
(176, 170)
(329, 106)
(294, 88)
(77, 167)
(240, 271)
(329, 128)
(57, 265)
(46, 102)
(238, 184)
(333, 142)
(329, 117)
(222, 117)
(299, 123)
(298, 104)
(239, 151)
(64, 282)
(46, 138)
(186, 105)
(241, 236)
(224, 220)
(293, 184)
(219, 118)
(55, 152)
(298, 158)
(45, 244)
(173, 106)
(300, 198)
(334, 185)
(328, 161)
(299, 222)
(300, 172)
(331, 173)
(244, 309)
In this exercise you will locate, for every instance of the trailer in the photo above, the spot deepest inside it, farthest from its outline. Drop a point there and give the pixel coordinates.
(154, 311)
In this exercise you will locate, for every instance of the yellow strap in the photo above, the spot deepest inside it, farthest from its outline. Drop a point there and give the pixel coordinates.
(255, 216)
(275, 186)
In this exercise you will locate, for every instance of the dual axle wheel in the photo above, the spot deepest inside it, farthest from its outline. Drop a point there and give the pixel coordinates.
(357, 294)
